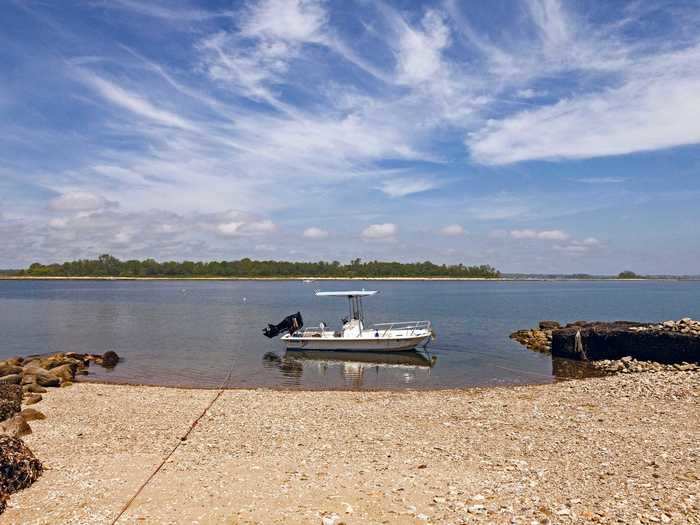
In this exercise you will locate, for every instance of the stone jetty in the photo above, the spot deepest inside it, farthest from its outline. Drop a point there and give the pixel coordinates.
(666, 343)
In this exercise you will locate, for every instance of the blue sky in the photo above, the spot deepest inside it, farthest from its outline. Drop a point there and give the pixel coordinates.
(536, 136)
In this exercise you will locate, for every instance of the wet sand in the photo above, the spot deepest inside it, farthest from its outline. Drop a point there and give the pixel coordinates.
(619, 449)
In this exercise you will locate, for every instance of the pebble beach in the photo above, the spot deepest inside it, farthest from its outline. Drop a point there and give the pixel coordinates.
(616, 449)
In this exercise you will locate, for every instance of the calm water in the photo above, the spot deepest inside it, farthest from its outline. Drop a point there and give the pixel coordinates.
(190, 333)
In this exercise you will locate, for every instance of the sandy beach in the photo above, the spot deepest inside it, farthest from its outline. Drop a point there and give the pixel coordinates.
(619, 449)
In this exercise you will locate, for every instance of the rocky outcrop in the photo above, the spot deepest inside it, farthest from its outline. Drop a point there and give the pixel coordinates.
(18, 467)
(668, 342)
(537, 339)
(34, 374)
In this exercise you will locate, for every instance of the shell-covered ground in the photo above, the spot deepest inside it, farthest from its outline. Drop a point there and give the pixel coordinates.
(618, 449)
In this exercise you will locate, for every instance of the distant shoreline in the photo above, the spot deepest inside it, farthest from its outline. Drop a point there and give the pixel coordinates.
(500, 279)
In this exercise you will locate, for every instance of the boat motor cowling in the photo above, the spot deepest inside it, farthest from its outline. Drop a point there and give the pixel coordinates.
(290, 324)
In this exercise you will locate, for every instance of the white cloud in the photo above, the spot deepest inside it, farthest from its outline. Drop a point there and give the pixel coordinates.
(165, 12)
(243, 228)
(315, 233)
(548, 235)
(551, 21)
(380, 231)
(420, 51)
(79, 201)
(452, 230)
(406, 186)
(291, 20)
(656, 106)
(135, 103)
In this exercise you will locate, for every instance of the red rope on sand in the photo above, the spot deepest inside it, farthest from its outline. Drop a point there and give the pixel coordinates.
(177, 445)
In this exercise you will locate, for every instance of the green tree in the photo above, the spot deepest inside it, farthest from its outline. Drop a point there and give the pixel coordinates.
(627, 274)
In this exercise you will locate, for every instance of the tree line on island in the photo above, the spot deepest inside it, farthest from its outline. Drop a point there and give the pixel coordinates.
(109, 266)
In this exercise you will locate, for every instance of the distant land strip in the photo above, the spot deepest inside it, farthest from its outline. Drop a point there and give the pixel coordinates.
(107, 267)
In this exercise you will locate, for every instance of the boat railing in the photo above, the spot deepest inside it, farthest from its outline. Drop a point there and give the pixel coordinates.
(411, 326)
(309, 331)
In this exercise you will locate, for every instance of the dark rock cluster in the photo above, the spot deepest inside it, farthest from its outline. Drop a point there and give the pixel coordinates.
(23, 381)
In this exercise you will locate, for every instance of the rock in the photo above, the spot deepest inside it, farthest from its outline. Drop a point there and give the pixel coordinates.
(110, 359)
(7, 369)
(536, 340)
(40, 376)
(32, 362)
(64, 372)
(48, 381)
(32, 399)
(18, 465)
(33, 388)
(16, 426)
(11, 379)
(30, 414)
(549, 325)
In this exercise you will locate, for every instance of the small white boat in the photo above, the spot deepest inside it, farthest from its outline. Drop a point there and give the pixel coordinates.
(354, 335)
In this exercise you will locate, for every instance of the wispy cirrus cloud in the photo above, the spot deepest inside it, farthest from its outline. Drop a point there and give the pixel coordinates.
(547, 235)
(402, 187)
(655, 107)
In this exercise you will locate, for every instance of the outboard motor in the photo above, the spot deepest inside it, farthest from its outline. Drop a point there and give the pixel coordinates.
(290, 324)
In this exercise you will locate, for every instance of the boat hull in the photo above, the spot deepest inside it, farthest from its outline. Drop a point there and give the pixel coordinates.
(398, 344)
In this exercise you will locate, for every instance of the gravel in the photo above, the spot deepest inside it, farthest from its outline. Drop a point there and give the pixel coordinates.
(616, 449)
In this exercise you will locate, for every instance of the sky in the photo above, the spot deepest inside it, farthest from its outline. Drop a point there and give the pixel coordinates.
(536, 136)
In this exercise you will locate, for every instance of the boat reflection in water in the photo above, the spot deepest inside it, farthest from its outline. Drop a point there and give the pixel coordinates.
(563, 369)
(352, 367)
